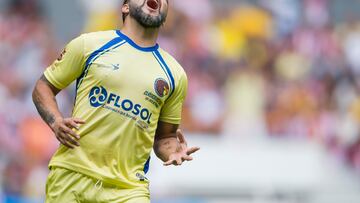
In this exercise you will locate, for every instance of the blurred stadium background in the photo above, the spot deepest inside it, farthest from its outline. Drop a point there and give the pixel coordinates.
(274, 97)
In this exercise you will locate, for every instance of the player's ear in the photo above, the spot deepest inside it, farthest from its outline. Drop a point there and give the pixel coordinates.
(125, 8)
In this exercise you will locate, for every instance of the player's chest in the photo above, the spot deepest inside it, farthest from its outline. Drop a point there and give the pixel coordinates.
(141, 76)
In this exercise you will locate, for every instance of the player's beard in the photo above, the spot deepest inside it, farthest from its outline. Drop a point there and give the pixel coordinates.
(146, 20)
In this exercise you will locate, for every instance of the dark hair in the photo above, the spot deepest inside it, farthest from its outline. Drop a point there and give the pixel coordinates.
(124, 14)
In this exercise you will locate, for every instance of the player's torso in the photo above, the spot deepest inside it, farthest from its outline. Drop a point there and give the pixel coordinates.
(120, 96)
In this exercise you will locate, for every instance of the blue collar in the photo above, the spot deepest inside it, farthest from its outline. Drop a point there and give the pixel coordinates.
(132, 43)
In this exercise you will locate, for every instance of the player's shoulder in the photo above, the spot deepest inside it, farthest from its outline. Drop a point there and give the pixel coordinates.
(100, 34)
(99, 38)
(172, 63)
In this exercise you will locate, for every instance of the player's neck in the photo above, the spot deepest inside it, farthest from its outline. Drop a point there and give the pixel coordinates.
(144, 37)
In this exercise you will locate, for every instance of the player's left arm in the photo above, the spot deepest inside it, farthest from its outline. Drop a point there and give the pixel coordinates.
(170, 144)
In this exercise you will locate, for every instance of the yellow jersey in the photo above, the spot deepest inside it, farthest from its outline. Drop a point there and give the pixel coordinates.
(122, 91)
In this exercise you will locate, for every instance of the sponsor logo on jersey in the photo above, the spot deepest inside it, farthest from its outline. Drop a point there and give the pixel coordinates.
(153, 99)
(100, 97)
(161, 87)
(113, 67)
(61, 55)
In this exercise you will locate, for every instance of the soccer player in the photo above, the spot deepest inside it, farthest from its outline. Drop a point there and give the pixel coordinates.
(129, 96)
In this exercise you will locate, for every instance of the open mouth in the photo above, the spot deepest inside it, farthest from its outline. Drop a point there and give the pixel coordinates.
(153, 4)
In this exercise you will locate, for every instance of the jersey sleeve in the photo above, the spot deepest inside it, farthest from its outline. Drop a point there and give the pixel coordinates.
(68, 66)
(171, 110)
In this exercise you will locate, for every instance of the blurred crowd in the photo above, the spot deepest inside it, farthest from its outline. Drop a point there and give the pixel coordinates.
(281, 69)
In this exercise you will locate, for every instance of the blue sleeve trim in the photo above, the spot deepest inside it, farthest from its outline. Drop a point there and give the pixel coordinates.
(166, 73)
(113, 44)
(147, 165)
(167, 70)
(132, 43)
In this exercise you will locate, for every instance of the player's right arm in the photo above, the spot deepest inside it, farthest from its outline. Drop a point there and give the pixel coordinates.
(56, 77)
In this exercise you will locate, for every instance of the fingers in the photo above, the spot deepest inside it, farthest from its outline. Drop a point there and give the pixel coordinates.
(73, 122)
(67, 140)
(180, 136)
(187, 158)
(78, 120)
(178, 160)
(192, 150)
(70, 132)
(168, 163)
(175, 162)
(64, 142)
(70, 139)
(65, 133)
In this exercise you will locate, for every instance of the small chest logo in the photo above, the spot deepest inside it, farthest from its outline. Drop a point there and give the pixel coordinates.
(161, 87)
(111, 66)
(115, 66)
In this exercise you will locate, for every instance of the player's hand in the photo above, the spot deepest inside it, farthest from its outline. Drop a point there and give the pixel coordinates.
(63, 129)
(182, 153)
